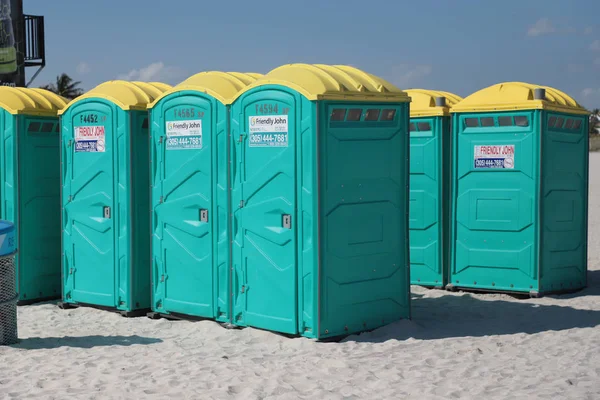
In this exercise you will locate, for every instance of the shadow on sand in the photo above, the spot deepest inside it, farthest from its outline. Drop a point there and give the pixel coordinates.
(83, 342)
(470, 315)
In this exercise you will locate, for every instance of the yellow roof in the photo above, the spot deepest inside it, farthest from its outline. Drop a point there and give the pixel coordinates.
(17, 100)
(126, 95)
(221, 85)
(331, 82)
(517, 96)
(423, 102)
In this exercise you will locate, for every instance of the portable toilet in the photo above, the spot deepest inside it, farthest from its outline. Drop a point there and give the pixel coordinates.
(430, 144)
(30, 197)
(320, 202)
(190, 196)
(520, 189)
(106, 197)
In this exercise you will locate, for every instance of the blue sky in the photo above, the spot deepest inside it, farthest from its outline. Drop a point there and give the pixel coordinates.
(459, 46)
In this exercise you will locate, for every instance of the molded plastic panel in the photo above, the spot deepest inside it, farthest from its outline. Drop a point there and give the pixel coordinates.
(363, 170)
(266, 134)
(495, 210)
(189, 199)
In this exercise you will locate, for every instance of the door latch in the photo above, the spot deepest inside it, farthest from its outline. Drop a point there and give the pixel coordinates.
(106, 211)
(286, 221)
(203, 215)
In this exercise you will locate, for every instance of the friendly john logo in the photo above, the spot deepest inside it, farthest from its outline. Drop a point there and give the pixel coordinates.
(184, 128)
(274, 123)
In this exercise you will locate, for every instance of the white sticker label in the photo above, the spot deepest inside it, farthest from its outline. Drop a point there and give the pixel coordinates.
(495, 156)
(184, 135)
(90, 139)
(268, 131)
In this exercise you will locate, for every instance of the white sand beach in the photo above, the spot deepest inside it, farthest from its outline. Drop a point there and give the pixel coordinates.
(459, 345)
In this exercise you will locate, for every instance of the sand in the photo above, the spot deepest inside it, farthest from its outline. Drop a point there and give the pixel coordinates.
(458, 345)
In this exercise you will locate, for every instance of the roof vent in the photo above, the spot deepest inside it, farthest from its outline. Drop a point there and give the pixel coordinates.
(440, 101)
(539, 94)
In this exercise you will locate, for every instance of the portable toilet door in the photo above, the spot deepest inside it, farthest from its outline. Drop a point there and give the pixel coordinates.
(319, 202)
(29, 193)
(105, 197)
(430, 144)
(519, 213)
(190, 196)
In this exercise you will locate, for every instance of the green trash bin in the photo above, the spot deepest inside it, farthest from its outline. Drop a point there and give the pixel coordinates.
(430, 144)
(320, 202)
(106, 197)
(520, 189)
(190, 196)
(30, 196)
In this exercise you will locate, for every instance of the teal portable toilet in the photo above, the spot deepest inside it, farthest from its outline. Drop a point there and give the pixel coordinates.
(520, 189)
(430, 144)
(106, 197)
(30, 197)
(319, 170)
(190, 196)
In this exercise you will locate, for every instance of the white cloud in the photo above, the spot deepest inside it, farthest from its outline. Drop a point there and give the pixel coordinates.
(542, 27)
(405, 75)
(155, 72)
(595, 46)
(587, 92)
(83, 68)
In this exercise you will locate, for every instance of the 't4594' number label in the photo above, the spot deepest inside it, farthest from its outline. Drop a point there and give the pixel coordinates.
(267, 109)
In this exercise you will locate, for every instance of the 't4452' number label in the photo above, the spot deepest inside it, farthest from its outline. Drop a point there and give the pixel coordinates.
(90, 118)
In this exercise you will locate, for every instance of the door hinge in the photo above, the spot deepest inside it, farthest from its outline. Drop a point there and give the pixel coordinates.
(69, 144)
(243, 289)
(241, 203)
(160, 139)
(160, 200)
(162, 278)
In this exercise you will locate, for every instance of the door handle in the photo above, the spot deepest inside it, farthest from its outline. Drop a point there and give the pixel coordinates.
(203, 215)
(106, 212)
(286, 221)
